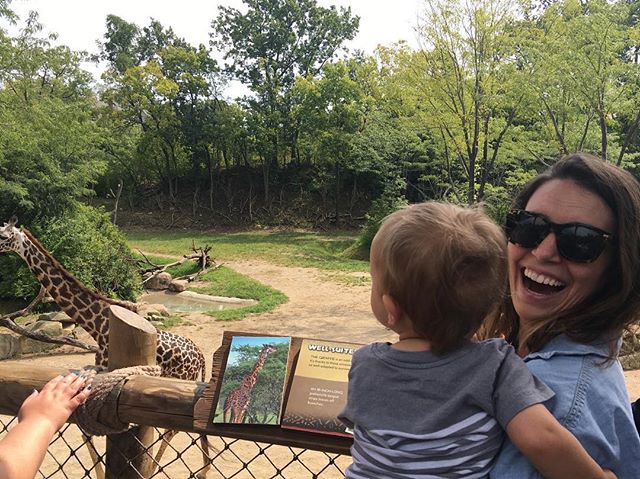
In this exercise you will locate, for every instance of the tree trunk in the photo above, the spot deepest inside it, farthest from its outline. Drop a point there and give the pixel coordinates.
(603, 135)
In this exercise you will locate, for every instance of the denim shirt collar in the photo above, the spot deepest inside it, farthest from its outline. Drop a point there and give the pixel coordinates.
(564, 346)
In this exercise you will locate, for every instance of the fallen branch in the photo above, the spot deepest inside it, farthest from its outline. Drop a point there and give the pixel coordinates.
(200, 255)
(8, 321)
(192, 277)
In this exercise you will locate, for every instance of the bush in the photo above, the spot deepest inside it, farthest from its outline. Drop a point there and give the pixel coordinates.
(390, 201)
(89, 247)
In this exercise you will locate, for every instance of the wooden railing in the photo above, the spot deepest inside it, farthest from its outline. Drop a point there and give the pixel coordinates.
(159, 402)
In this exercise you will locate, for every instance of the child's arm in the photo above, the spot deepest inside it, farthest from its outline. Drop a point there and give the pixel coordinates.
(41, 415)
(552, 449)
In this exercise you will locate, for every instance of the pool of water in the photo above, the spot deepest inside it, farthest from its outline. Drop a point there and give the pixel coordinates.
(189, 302)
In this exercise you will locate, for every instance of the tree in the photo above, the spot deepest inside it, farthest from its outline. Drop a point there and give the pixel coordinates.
(575, 55)
(168, 90)
(466, 75)
(330, 111)
(49, 160)
(49, 154)
(293, 38)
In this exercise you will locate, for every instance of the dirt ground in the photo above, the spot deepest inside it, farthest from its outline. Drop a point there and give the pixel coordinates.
(318, 307)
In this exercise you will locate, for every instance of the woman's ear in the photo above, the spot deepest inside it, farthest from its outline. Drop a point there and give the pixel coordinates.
(393, 308)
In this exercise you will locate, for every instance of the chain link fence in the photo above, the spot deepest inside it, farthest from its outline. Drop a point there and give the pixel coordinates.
(69, 456)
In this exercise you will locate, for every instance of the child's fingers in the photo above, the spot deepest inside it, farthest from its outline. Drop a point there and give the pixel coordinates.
(74, 385)
(81, 397)
(66, 386)
(53, 383)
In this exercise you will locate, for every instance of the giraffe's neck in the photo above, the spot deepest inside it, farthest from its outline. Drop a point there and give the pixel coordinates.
(253, 376)
(81, 304)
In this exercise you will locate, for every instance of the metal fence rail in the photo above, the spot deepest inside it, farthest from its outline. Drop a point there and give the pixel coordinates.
(68, 457)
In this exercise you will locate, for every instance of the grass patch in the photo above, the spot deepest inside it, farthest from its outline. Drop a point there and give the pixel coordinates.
(169, 322)
(226, 282)
(325, 251)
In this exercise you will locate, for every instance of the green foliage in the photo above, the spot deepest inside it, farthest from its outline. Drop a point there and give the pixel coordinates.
(160, 97)
(391, 200)
(294, 39)
(49, 138)
(496, 91)
(87, 245)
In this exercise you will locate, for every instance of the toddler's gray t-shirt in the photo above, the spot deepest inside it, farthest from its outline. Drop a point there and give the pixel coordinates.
(423, 416)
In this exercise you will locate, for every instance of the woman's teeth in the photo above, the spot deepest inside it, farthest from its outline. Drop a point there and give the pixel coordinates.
(541, 278)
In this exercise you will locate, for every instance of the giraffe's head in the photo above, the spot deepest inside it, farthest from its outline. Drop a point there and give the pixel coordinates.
(9, 236)
(268, 349)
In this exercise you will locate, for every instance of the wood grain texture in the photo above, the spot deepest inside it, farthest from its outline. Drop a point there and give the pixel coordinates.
(132, 342)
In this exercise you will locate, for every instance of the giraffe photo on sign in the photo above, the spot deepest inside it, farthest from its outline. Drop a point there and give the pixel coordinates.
(253, 381)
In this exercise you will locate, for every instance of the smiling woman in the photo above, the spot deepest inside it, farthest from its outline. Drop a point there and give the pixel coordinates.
(574, 279)
(545, 283)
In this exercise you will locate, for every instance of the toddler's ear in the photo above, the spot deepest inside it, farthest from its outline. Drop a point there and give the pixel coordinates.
(394, 310)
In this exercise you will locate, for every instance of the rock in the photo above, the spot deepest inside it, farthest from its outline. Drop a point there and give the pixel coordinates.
(178, 285)
(50, 328)
(82, 336)
(159, 281)
(55, 316)
(630, 361)
(28, 346)
(68, 328)
(146, 310)
(9, 346)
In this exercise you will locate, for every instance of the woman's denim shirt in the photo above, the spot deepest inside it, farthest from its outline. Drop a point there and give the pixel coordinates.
(591, 401)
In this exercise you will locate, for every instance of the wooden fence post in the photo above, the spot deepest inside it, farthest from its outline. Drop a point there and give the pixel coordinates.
(132, 342)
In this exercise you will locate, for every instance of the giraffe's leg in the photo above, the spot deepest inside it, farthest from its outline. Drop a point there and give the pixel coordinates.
(237, 418)
(95, 457)
(241, 415)
(206, 457)
(165, 439)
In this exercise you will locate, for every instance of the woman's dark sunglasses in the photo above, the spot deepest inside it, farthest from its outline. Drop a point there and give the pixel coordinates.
(575, 242)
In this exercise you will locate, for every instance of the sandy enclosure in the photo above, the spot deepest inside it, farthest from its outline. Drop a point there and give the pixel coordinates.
(318, 307)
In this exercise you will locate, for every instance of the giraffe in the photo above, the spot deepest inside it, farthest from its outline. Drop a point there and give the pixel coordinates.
(178, 357)
(237, 401)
